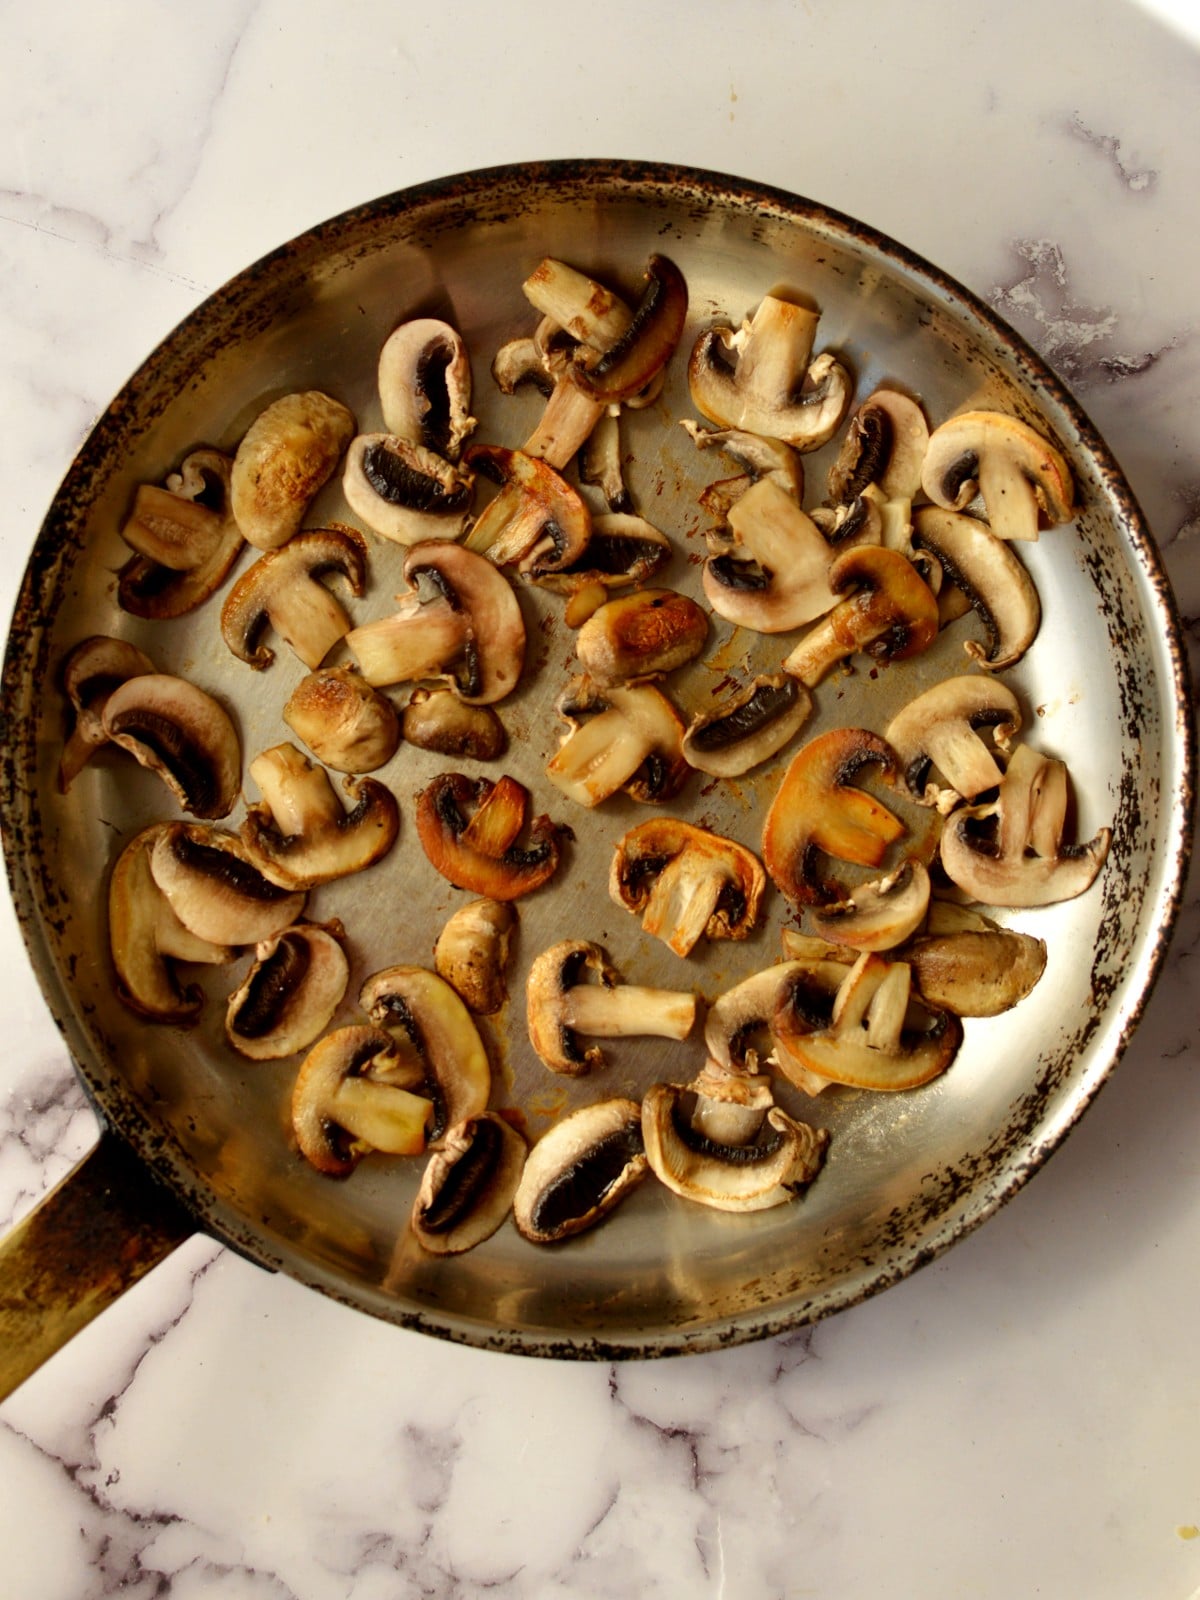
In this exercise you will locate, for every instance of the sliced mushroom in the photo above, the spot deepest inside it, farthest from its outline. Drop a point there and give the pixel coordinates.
(880, 915)
(940, 730)
(623, 550)
(289, 452)
(885, 444)
(990, 575)
(737, 1019)
(767, 1171)
(181, 734)
(430, 1020)
(600, 463)
(762, 378)
(686, 882)
(283, 589)
(627, 738)
(890, 613)
(215, 889)
(352, 1096)
(92, 670)
(580, 1170)
(636, 357)
(425, 386)
(469, 1184)
(1022, 479)
(404, 492)
(749, 727)
(967, 964)
(642, 635)
(776, 575)
(817, 809)
(472, 953)
(1009, 852)
(761, 457)
(877, 1034)
(482, 853)
(185, 537)
(459, 621)
(146, 938)
(300, 834)
(347, 724)
(436, 719)
(537, 522)
(561, 1005)
(291, 992)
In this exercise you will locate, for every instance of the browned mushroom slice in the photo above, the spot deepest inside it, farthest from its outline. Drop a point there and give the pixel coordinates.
(537, 522)
(762, 377)
(404, 492)
(436, 719)
(459, 621)
(472, 953)
(347, 724)
(300, 834)
(990, 574)
(942, 729)
(469, 1184)
(93, 669)
(1022, 479)
(885, 444)
(425, 386)
(640, 353)
(776, 574)
(216, 890)
(818, 810)
(561, 1005)
(185, 536)
(290, 994)
(146, 938)
(877, 1035)
(283, 590)
(686, 882)
(623, 551)
(481, 853)
(890, 613)
(967, 964)
(353, 1095)
(183, 735)
(738, 1019)
(749, 727)
(879, 915)
(627, 738)
(289, 452)
(1010, 852)
(580, 1170)
(761, 457)
(431, 1023)
(641, 635)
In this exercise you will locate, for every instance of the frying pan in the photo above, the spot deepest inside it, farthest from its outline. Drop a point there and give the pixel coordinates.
(193, 1137)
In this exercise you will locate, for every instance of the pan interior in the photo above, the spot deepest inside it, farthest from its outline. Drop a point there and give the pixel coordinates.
(906, 1174)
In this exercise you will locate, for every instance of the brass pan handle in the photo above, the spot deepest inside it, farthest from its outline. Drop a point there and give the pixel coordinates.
(91, 1238)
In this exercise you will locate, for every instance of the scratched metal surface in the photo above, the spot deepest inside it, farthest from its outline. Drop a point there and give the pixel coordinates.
(907, 1174)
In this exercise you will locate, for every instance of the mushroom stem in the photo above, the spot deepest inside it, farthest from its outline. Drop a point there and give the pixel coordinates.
(416, 641)
(298, 794)
(629, 1008)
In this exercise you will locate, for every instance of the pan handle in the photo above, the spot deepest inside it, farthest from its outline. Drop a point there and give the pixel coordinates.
(91, 1238)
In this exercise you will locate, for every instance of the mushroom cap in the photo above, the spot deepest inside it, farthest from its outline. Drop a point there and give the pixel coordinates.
(350, 1098)
(992, 577)
(290, 994)
(641, 635)
(472, 950)
(623, 550)
(749, 727)
(469, 1184)
(686, 882)
(436, 719)
(347, 724)
(889, 612)
(216, 890)
(976, 972)
(880, 915)
(1023, 480)
(641, 352)
(885, 444)
(288, 453)
(537, 522)
(183, 735)
(283, 589)
(425, 385)
(580, 1170)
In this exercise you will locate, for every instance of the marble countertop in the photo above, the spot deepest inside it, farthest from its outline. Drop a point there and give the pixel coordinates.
(1017, 1419)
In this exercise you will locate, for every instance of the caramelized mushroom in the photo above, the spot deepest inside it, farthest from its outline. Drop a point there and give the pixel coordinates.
(536, 523)
(472, 953)
(185, 537)
(469, 1185)
(289, 996)
(639, 636)
(749, 727)
(405, 492)
(347, 724)
(1022, 479)
(289, 452)
(353, 1094)
(627, 738)
(215, 889)
(580, 1170)
(686, 882)
(436, 719)
(283, 589)
(425, 386)
(93, 669)
(300, 834)
(561, 1004)
(482, 854)
(890, 613)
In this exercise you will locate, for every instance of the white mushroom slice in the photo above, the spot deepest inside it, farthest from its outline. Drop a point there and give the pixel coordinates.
(773, 1169)
(290, 994)
(1010, 852)
(940, 730)
(185, 538)
(146, 938)
(347, 724)
(469, 1185)
(641, 635)
(1022, 479)
(288, 454)
(623, 551)
(180, 733)
(404, 492)
(300, 834)
(472, 952)
(561, 1004)
(686, 882)
(885, 444)
(284, 589)
(214, 888)
(93, 669)
(623, 738)
(879, 915)
(580, 1170)
(988, 571)
(351, 1097)
(425, 386)
(889, 612)
(749, 727)
(762, 378)
(776, 575)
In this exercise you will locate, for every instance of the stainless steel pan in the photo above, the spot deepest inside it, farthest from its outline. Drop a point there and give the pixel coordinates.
(195, 1138)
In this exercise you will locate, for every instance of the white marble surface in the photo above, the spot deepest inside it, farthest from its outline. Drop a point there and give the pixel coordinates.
(1019, 1419)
